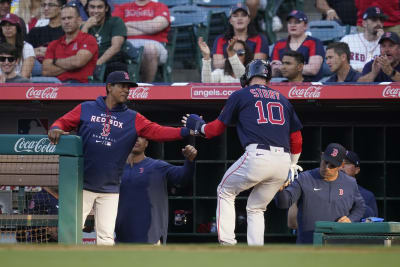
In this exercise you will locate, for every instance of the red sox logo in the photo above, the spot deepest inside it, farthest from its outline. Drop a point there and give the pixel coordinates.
(334, 152)
(341, 192)
(106, 129)
(126, 76)
(141, 170)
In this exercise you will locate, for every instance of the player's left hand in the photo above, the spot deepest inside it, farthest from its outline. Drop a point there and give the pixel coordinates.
(189, 152)
(344, 219)
(193, 122)
(294, 172)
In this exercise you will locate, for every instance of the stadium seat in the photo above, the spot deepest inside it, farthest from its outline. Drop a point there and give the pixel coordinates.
(172, 3)
(190, 22)
(327, 30)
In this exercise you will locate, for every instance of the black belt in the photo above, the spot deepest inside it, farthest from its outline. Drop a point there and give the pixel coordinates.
(266, 147)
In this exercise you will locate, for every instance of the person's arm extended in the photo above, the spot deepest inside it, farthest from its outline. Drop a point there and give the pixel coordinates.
(313, 66)
(156, 132)
(237, 66)
(51, 70)
(152, 26)
(323, 7)
(181, 174)
(75, 62)
(116, 44)
(218, 61)
(288, 196)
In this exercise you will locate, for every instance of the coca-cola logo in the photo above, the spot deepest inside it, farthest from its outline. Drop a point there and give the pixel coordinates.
(139, 93)
(34, 146)
(44, 93)
(391, 92)
(310, 92)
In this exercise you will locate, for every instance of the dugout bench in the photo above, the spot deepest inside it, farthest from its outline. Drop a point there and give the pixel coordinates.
(31, 160)
(380, 233)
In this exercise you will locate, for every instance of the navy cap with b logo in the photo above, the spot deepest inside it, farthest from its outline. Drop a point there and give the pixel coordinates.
(392, 36)
(301, 16)
(353, 158)
(120, 77)
(374, 12)
(334, 154)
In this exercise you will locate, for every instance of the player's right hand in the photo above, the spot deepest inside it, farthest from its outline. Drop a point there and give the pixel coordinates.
(54, 135)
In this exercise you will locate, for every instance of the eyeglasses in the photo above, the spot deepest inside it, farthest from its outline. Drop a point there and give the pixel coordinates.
(44, 5)
(240, 52)
(10, 59)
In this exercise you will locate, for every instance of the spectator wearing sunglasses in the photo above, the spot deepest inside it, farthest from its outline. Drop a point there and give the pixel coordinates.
(8, 65)
(323, 194)
(239, 55)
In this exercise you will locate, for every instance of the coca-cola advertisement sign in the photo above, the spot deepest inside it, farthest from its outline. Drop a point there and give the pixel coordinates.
(309, 92)
(139, 93)
(42, 93)
(34, 146)
(389, 91)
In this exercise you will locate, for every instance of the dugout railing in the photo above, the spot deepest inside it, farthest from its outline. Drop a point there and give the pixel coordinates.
(31, 160)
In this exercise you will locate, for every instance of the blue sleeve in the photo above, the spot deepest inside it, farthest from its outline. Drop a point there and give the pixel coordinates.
(357, 211)
(367, 68)
(371, 207)
(229, 112)
(180, 174)
(289, 195)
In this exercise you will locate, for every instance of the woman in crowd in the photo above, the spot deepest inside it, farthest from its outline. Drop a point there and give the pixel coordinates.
(11, 33)
(239, 55)
(298, 40)
(241, 28)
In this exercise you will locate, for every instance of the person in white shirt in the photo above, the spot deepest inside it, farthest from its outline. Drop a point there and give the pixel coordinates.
(364, 46)
(239, 55)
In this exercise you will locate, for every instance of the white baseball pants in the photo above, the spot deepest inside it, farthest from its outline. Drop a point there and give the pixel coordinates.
(266, 171)
(105, 214)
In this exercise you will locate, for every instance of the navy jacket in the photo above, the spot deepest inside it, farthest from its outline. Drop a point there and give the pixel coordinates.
(320, 200)
(143, 200)
(108, 137)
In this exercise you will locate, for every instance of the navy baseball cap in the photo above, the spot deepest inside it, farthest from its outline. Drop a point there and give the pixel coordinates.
(353, 158)
(334, 154)
(120, 77)
(392, 36)
(300, 15)
(374, 12)
(239, 6)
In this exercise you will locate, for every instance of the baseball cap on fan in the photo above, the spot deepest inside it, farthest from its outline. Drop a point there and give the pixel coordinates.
(392, 36)
(11, 18)
(334, 154)
(120, 77)
(374, 12)
(300, 15)
(239, 6)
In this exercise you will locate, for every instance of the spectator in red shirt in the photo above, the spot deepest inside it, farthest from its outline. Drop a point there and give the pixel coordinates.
(147, 24)
(242, 29)
(389, 7)
(72, 58)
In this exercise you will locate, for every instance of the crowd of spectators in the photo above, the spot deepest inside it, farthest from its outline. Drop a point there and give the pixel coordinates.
(73, 40)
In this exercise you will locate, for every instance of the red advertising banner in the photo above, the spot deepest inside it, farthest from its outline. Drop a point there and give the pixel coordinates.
(198, 91)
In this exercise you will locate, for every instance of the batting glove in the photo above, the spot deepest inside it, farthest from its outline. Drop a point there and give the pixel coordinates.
(293, 172)
(195, 122)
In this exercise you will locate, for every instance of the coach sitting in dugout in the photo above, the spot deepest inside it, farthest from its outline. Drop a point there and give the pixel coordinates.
(143, 198)
(323, 194)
